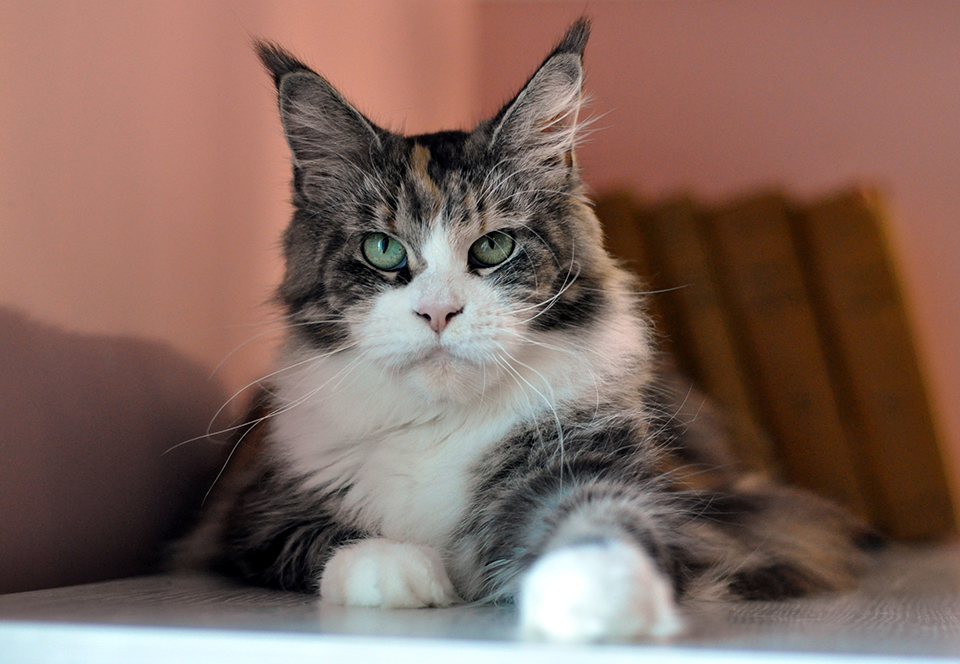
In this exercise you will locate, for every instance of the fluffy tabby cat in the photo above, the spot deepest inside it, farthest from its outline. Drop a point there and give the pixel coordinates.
(468, 405)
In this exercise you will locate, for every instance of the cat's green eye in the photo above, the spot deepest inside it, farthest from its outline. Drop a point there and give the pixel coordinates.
(492, 249)
(384, 252)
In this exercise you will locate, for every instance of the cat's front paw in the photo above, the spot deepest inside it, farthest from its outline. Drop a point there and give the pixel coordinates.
(608, 591)
(387, 574)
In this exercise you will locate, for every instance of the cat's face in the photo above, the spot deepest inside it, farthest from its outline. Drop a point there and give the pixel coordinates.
(449, 258)
(452, 282)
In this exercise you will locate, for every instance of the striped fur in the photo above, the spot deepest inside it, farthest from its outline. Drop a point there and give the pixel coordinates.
(398, 465)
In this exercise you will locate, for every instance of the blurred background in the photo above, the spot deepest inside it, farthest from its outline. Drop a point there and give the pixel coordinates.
(144, 176)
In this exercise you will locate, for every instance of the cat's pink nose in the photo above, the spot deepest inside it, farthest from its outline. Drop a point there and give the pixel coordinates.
(439, 315)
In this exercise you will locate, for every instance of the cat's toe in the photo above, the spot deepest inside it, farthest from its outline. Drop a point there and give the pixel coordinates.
(387, 574)
(608, 591)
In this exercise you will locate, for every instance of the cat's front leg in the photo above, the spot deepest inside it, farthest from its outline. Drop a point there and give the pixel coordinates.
(584, 563)
(603, 590)
(387, 574)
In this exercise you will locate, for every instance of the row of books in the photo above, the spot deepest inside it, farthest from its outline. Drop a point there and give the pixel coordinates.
(791, 316)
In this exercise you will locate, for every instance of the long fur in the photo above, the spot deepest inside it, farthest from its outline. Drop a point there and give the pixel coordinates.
(539, 420)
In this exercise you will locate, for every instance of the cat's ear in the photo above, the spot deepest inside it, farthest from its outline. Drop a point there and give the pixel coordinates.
(540, 123)
(319, 123)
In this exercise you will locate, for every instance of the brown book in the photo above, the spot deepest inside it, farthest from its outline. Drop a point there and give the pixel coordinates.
(690, 287)
(879, 382)
(763, 285)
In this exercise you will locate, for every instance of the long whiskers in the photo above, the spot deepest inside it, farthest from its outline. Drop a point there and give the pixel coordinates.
(274, 330)
(576, 353)
(342, 374)
(507, 362)
(568, 282)
(209, 433)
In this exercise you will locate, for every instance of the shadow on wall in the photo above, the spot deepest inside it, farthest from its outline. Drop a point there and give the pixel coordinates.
(86, 491)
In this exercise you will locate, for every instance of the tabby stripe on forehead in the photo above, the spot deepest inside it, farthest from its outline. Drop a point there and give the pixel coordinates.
(474, 210)
(477, 209)
(419, 159)
(419, 163)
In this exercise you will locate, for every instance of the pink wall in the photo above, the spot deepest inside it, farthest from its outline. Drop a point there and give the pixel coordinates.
(143, 175)
(721, 97)
(143, 188)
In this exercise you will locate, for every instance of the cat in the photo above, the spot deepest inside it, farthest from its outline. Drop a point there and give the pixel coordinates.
(468, 404)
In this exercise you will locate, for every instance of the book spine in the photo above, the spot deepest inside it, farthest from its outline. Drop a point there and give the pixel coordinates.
(678, 251)
(763, 285)
(867, 333)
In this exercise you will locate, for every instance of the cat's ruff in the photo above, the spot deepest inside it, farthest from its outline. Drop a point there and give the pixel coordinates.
(401, 444)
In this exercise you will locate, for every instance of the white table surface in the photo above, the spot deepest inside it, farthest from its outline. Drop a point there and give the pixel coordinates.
(908, 609)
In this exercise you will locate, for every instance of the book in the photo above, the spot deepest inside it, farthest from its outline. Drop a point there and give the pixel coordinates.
(690, 288)
(792, 319)
(853, 279)
(763, 287)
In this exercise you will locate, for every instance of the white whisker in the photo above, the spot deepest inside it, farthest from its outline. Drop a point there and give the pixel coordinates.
(273, 330)
(549, 402)
(258, 382)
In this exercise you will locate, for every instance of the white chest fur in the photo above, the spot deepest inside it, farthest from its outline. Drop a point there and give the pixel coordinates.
(405, 463)
(403, 460)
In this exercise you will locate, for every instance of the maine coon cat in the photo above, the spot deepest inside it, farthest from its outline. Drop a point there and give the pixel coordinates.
(468, 405)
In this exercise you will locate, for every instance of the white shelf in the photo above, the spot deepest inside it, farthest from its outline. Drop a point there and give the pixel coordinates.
(908, 609)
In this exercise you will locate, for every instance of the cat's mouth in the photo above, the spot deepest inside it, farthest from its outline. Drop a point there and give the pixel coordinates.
(442, 374)
(439, 355)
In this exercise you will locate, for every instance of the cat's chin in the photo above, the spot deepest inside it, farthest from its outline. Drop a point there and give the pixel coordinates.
(444, 378)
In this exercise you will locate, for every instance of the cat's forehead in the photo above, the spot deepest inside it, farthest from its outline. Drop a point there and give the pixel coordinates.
(447, 150)
(442, 183)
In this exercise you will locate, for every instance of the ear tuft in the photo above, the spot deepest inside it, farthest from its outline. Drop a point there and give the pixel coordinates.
(278, 61)
(575, 39)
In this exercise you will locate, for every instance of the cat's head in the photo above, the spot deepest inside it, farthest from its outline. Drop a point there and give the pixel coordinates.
(446, 257)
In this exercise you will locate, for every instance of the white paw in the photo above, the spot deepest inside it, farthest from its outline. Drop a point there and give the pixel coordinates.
(387, 574)
(608, 591)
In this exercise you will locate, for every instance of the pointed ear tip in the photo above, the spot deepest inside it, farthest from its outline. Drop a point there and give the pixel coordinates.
(575, 39)
(278, 61)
